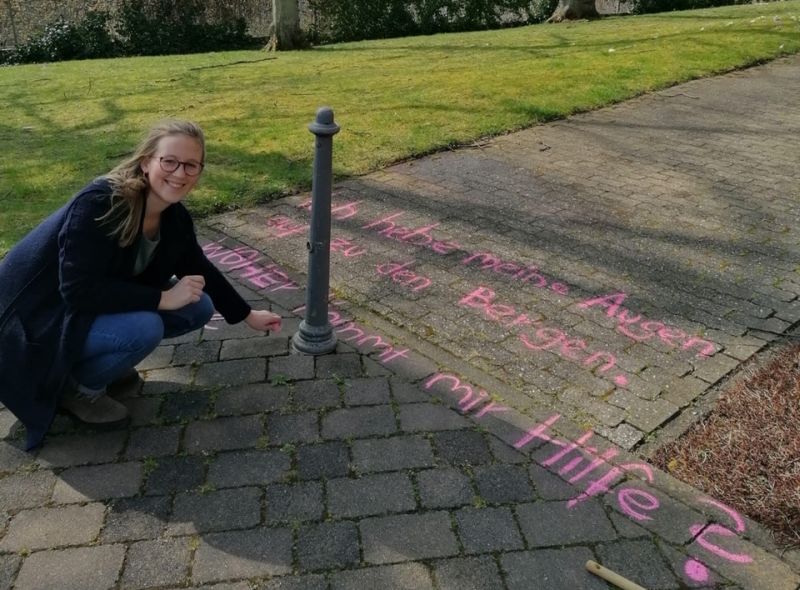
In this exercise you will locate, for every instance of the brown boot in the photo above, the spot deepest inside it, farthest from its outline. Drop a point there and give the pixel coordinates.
(126, 385)
(98, 410)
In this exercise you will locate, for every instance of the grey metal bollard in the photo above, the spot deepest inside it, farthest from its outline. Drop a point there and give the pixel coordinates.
(315, 335)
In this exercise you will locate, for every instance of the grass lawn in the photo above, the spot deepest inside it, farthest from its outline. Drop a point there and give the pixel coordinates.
(65, 123)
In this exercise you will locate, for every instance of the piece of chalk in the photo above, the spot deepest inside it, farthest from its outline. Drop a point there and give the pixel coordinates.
(613, 577)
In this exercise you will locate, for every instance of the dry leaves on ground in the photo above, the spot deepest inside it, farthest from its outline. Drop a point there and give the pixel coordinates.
(746, 453)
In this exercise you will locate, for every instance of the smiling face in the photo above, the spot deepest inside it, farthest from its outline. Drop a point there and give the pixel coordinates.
(167, 188)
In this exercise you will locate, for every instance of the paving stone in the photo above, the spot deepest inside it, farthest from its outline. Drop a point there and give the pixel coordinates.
(221, 510)
(196, 353)
(225, 331)
(370, 494)
(554, 569)
(185, 406)
(643, 414)
(407, 537)
(550, 486)
(470, 573)
(678, 561)
(684, 391)
(46, 528)
(293, 428)
(762, 571)
(26, 490)
(407, 393)
(292, 367)
(505, 453)
(444, 488)
(627, 527)
(714, 368)
(134, 519)
(222, 434)
(339, 365)
(294, 502)
(639, 561)
(98, 482)
(371, 391)
(671, 521)
(503, 483)
(66, 451)
(81, 568)
(230, 373)
(391, 454)
(328, 460)
(359, 422)
(156, 441)
(242, 468)
(12, 456)
(251, 399)
(483, 530)
(553, 523)
(307, 582)
(9, 424)
(234, 555)
(9, 564)
(156, 563)
(317, 394)
(374, 369)
(624, 435)
(467, 447)
(143, 411)
(328, 545)
(168, 380)
(406, 576)
(175, 474)
(254, 347)
(430, 417)
(161, 357)
(411, 366)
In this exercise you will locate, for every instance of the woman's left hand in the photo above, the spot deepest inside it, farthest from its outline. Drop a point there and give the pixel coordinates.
(263, 321)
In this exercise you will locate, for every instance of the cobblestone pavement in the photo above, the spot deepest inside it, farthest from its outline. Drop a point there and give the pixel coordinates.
(516, 319)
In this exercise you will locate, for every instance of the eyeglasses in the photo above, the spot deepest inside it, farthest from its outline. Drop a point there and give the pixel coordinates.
(169, 164)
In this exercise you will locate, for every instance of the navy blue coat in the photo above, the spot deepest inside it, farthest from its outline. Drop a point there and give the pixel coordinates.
(66, 272)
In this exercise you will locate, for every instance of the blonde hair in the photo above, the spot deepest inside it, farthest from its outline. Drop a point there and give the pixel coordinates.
(129, 184)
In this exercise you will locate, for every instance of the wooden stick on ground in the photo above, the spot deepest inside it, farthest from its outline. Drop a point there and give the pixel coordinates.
(613, 577)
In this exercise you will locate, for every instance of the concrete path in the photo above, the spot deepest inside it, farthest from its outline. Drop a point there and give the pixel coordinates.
(519, 321)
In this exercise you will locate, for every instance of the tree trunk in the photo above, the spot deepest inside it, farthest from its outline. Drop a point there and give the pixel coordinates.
(285, 25)
(573, 9)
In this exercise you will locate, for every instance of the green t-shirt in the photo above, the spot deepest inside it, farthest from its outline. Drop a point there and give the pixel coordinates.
(145, 252)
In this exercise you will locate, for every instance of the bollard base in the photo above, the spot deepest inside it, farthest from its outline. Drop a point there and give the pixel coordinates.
(315, 340)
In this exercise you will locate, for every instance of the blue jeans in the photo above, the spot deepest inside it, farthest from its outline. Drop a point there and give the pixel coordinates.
(117, 342)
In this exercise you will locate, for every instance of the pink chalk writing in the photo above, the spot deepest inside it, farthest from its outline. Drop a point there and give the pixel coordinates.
(519, 272)
(640, 329)
(338, 211)
(421, 236)
(469, 400)
(346, 248)
(696, 570)
(348, 331)
(544, 338)
(245, 262)
(634, 502)
(281, 226)
(577, 459)
(400, 273)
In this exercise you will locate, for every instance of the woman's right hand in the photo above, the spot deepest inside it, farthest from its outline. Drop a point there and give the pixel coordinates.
(187, 290)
